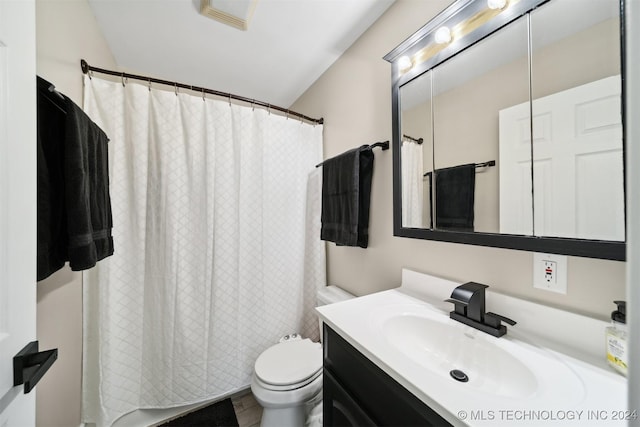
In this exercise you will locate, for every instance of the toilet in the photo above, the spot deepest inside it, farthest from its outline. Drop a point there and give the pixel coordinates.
(287, 377)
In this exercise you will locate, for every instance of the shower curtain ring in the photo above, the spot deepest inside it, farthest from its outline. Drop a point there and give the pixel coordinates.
(269, 108)
(149, 85)
(229, 95)
(287, 115)
(175, 85)
(122, 79)
(90, 74)
(253, 105)
(202, 94)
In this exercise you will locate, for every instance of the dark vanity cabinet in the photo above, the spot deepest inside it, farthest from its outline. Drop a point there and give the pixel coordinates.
(358, 393)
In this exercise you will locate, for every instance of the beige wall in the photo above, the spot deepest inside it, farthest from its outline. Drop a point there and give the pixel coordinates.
(66, 31)
(354, 97)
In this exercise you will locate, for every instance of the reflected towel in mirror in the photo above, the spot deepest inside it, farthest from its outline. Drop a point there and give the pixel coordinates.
(455, 197)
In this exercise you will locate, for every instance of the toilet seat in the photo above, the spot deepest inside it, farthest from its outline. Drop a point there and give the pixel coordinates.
(289, 365)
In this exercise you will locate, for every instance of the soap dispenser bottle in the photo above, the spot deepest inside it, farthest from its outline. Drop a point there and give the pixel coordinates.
(616, 339)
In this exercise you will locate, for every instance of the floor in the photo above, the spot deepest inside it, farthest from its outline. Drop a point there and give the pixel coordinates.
(248, 411)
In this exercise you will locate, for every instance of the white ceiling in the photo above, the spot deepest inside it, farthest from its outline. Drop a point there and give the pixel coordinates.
(288, 45)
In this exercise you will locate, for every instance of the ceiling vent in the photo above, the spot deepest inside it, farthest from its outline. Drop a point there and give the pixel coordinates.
(236, 13)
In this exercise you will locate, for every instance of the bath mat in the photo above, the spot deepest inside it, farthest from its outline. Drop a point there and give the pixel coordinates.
(220, 414)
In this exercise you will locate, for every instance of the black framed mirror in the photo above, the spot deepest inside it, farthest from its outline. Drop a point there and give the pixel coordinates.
(508, 127)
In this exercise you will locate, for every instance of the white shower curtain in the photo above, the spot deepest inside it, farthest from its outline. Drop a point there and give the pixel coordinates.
(412, 184)
(217, 247)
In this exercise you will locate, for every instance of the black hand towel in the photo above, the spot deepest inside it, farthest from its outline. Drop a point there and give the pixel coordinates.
(346, 195)
(455, 197)
(87, 201)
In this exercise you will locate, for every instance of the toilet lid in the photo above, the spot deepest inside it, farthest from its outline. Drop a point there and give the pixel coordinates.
(289, 362)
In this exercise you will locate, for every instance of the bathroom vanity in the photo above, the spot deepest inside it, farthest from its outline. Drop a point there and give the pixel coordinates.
(389, 359)
(358, 393)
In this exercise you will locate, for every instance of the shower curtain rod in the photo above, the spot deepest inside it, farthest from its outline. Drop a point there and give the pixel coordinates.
(88, 69)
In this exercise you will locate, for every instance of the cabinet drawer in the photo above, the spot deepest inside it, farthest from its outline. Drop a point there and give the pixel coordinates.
(339, 408)
(383, 399)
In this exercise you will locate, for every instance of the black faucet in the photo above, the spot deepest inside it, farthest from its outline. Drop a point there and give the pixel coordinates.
(469, 303)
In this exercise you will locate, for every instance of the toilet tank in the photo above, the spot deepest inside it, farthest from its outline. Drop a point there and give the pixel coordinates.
(329, 295)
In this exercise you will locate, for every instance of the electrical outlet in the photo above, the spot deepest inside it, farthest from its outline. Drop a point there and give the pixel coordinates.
(550, 272)
(550, 269)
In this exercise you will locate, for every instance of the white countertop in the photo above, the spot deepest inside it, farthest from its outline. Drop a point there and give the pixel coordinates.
(536, 383)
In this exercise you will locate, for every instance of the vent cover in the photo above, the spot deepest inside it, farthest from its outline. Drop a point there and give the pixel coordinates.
(236, 13)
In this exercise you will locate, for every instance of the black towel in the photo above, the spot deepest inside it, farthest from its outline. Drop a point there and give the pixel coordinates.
(88, 203)
(346, 195)
(74, 207)
(455, 197)
(52, 225)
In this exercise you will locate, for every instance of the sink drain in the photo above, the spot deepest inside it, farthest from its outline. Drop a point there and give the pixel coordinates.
(458, 375)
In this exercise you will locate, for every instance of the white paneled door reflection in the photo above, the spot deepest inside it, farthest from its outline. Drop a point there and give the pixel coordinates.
(578, 159)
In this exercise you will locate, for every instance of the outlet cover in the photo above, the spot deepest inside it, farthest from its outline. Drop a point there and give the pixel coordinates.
(550, 272)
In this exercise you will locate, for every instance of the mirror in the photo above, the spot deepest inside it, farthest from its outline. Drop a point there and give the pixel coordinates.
(471, 89)
(508, 127)
(577, 127)
(417, 152)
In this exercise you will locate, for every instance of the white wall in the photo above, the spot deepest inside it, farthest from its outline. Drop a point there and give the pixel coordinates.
(354, 97)
(632, 133)
(66, 31)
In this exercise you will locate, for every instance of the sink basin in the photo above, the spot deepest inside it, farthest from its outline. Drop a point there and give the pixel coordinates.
(497, 368)
(442, 347)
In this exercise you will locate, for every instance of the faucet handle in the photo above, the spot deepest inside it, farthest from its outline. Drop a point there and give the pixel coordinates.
(493, 319)
(460, 306)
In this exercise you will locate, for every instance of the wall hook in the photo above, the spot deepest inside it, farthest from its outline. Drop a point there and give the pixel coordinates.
(29, 365)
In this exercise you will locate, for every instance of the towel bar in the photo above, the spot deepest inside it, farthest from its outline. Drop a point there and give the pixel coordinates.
(29, 365)
(383, 144)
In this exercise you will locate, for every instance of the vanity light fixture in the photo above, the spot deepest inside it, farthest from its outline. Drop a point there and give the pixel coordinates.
(496, 4)
(443, 35)
(405, 64)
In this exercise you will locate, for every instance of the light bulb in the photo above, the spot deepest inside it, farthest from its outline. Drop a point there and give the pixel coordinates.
(404, 63)
(496, 4)
(443, 35)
